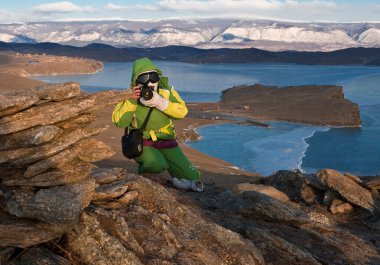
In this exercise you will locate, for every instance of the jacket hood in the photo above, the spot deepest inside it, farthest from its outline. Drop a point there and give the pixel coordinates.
(143, 65)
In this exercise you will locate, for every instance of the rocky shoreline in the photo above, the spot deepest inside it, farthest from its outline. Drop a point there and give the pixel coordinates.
(74, 212)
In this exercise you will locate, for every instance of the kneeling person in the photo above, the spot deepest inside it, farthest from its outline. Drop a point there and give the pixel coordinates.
(161, 151)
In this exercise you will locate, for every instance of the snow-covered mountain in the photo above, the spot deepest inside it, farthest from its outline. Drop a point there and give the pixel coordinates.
(205, 33)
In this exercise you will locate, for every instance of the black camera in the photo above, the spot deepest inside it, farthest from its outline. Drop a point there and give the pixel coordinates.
(146, 92)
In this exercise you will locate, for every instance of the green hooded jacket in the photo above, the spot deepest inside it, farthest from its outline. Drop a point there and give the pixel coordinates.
(131, 113)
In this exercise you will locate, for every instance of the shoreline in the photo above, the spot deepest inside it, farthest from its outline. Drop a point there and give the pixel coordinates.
(214, 170)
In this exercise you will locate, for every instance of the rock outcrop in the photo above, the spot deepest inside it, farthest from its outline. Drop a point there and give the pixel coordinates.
(321, 105)
(45, 160)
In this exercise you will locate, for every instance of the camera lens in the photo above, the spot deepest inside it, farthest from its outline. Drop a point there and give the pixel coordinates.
(146, 92)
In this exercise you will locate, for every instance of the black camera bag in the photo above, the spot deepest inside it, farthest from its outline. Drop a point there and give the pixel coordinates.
(132, 140)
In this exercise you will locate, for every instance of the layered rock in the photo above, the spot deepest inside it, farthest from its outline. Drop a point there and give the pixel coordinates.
(45, 160)
(144, 224)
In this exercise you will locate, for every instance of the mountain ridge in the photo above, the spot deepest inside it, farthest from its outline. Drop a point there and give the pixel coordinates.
(201, 33)
(103, 52)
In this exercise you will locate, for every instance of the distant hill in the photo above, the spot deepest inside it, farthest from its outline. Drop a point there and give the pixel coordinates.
(102, 52)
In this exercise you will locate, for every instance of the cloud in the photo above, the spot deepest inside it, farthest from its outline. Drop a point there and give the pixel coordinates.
(247, 8)
(62, 7)
(113, 7)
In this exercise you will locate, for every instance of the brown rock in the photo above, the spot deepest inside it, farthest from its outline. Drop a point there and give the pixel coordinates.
(110, 97)
(13, 231)
(128, 197)
(56, 161)
(54, 205)
(29, 137)
(92, 245)
(88, 150)
(308, 194)
(338, 206)
(110, 191)
(77, 122)
(286, 252)
(91, 150)
(166, 231)
(108, 175)
(268, 190)
(117, 227)
(58, 92)
(347, 188)
(12, 102)
(33, 154)
(39, 256)
(68, 174)
(353, 177)
(256, 203)
(45, 114)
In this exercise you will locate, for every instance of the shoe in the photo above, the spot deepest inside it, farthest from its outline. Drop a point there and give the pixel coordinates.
(184, 184)
(197, 185)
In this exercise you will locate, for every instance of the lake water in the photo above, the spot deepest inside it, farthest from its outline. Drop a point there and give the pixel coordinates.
(283, 145)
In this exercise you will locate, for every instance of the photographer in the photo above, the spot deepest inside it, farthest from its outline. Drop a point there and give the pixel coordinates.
(160, 151)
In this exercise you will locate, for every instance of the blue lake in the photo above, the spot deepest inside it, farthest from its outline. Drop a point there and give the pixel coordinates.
(284, 145)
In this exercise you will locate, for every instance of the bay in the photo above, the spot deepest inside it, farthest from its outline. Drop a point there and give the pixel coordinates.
(283, 145)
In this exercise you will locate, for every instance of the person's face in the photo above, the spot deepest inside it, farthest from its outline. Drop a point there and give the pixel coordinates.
(149, 78)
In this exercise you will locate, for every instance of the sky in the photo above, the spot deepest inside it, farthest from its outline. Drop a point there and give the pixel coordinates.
(288, 10)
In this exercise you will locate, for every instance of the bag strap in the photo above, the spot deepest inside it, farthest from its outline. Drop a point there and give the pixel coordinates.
(126, 129)
(142, 128)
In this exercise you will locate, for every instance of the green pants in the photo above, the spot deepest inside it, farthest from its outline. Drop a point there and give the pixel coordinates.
(154, 160)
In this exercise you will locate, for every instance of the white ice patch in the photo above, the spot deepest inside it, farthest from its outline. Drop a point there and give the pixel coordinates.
(284, 150)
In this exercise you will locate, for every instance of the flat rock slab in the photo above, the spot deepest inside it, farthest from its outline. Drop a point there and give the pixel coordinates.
(286, 251)
(58, 92)
(13, 231)
(88, 150)
(11, 103)
(77, 122)
(55, 161)
(24, 156)
(68, 174)
(45, 114)
(274, 210)
(111, 190)
(108, 175)
(54, 205)
(30, 137)
(268, 190)
(347, 188)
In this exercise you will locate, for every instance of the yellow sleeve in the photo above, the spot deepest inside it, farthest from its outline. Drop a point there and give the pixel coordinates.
(123, 113)
(177, 108)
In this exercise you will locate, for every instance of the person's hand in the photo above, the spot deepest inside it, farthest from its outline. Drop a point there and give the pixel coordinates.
(136, 92)
(156, 101)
